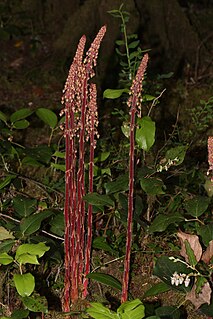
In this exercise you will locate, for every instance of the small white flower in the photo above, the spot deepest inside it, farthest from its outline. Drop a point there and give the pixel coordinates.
(187, 281)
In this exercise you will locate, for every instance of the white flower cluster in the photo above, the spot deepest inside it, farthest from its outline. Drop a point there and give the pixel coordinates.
(179, 279)
(167, 165)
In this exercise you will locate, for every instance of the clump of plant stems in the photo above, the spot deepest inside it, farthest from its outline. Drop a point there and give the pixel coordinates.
(81, 120)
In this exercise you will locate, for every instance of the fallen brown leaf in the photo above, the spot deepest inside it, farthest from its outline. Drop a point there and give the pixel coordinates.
(208, 254)
(193, 242)
(203, 297)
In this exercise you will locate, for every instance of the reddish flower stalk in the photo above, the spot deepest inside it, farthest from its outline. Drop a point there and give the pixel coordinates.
(134, 103)
(77, 107)
(210, 156)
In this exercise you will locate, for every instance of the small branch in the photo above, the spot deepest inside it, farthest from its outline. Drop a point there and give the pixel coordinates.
(154, 102)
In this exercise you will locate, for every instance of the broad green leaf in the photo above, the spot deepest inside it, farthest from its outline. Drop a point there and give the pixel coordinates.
(168, 312)
(31, 224)
(131, 310)
(177, 154)
(145, 133)
(20, 314)
(197, 205)
(27, 259)
(25, 284)
(47, 116)
(98, 200)
(20, 115)
(206, 233)
(133, 44)
(125, 129)
(102, 157)
(190, 253)
(60, 167)
(32, 249)
(6, 245)
(152, 186)
(161, 222)
(22, 124)
(5, 259)
(106, 280)
(5, 234)
(3, 117)
(157, 289)
(24, 206)
(147, 97)
(98, 311)
(59, 154)
(120, 184)
(101, 243)
(6, 181)
(57, 224)
(165, 267)
(36, 303)
(114, 94)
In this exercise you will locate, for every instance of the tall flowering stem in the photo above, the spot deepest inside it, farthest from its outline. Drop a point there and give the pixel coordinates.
(210, 157)
(79, 99)
(134, 103)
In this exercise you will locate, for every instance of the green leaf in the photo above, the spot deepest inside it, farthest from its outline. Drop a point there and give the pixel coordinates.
(169, 312)
(27, 259)
(3, 117)
(20, 314)
(120, 184)
(36, 303)
(5, 234)
(32, 249)
(5, 259)
(131, 310)
(133, 44)
(206, 233)
(6, 181)
(6, 245)
(157, 289)
(59, 154)
(197, 205)
(98, 311)
(98, 200)
(105, 279)
(101, 243)
(177, 154)
(47, 116)
(27, 160)
(31, 224)
(165, 267)
(199, 284)
(41, 153)
(101, 157)
(22, 124)
(145, 133)
(60, 167)
(161, 222)
(147, 97)
(24, 206)
(152, 186)
(190, 253)
(57, 224)
(20, 115)
(114, 94)
(153, 317)
(25, 284)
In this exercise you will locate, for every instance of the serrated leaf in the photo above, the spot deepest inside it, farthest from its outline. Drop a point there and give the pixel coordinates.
(114, 94)
(20, 115)
(157, 289)
(98, 200)
(25, 284)
(161, 222)
(24, 206)
(106, 280)
(5, 259)
(145, 133)
(47, 116)
(5, 234)
(197, 205)
(31, 224)
(152, 186)
(36, 303)
(22, 124)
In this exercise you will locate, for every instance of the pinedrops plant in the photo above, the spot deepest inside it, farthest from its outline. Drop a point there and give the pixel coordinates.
(80, 127)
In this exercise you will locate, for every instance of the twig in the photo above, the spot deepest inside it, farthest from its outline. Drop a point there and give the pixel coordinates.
(154, 102)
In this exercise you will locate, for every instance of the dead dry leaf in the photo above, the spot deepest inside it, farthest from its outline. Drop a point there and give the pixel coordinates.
(194, 244)
(203, 297)
(208, 254)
